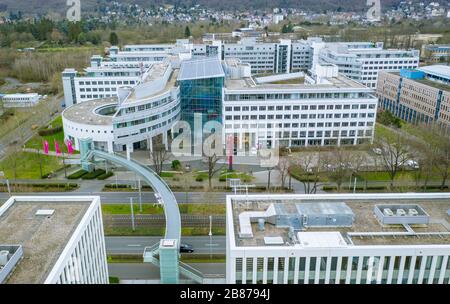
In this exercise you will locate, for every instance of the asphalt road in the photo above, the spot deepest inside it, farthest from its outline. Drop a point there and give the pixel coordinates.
(136, 245)
(147, 271)
(147, 197)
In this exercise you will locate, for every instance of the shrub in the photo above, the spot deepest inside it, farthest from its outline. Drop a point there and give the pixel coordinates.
(176, 164)
(52, 131)
(105, 175)
(199, 178)
(78, 174)
(94, 174)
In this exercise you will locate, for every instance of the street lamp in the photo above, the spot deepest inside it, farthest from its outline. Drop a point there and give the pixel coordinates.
(2, 174)
(210, 237)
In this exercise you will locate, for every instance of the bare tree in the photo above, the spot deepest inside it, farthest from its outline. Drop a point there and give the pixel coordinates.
(309, 166)
(434, 144)
(338, 166)
(211, 161)
(158, 155)
(283, 169)
(394, 152)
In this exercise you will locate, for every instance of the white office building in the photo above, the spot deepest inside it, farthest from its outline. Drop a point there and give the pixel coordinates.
(20, 100)
(323, 108)
(315, 110)
(52, 240)
(361, 61)
(387, 238)
(131, 120)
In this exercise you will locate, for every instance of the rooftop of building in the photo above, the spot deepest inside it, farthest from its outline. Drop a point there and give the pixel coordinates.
(365, 229)
(156, 73)
(89, 112)
(43, 237)
(437, 70)
(298, 84)
(201, 69)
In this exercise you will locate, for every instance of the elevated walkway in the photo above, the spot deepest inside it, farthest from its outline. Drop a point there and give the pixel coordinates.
(165, 254)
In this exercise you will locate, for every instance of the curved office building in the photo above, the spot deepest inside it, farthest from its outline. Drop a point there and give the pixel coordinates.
(132, 119)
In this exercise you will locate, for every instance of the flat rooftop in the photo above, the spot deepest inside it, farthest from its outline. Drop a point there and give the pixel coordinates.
(366, 228)
(200, 69)
(335, 82)
(171, 82)
(86, 112)
(43, 237)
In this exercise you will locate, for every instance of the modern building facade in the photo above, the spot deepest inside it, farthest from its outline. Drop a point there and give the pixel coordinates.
(419, 96)
(359, 61)
(52, 240)
(131, 120)
(20, 100)
(362, 61)
(323, 108)
(201, 83)
(338, 239)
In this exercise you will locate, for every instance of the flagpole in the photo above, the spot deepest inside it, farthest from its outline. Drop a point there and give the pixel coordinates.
(40, 159)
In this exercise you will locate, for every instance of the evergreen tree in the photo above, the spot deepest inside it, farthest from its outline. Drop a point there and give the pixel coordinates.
(113, 38)
(187, 32)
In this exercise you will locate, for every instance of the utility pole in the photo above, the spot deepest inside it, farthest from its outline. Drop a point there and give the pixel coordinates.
(132, 213)
(40, 161)
(140, 195)
(64, 164)
(210, 236)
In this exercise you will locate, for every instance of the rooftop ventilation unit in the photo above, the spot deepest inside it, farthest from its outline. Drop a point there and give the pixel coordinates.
(396, 214)
(3, 257)
(45, 212)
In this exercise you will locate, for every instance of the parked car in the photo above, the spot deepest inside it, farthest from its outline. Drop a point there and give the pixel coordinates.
(412, 163)
(186, 248)
(377, 151)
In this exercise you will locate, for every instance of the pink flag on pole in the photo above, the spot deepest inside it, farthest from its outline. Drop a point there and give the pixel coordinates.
(69, 147)
(46, 147)
(57, 150)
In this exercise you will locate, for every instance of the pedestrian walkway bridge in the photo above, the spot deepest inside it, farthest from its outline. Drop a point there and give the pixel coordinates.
(166, 253)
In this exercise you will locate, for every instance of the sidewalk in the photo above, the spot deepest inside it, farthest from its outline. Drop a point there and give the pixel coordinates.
(52, 153)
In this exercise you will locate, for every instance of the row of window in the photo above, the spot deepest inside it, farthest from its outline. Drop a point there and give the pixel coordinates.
(112, 82)
(298, 116)
(344, 270)
(301, 125)
(263, 96)
(303, 107)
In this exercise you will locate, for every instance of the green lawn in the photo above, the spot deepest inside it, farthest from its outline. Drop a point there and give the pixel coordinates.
(139, 231)
(27, 165)
(194, 209)
(37, 141)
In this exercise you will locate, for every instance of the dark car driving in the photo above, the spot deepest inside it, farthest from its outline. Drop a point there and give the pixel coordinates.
(186, 248)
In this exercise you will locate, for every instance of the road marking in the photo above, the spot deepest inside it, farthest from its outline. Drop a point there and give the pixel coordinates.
(134, 245)
(212, 245)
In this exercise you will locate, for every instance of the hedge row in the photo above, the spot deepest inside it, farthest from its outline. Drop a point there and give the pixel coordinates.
(359, 188)
(68, 186)
(94, 174)
(52, 131)
(78, 174)
(105, 175)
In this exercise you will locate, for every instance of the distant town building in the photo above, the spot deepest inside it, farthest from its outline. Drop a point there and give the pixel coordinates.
(390, 238)
(21, 100)
(52, 240)
(420, 96)
(437, 52)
